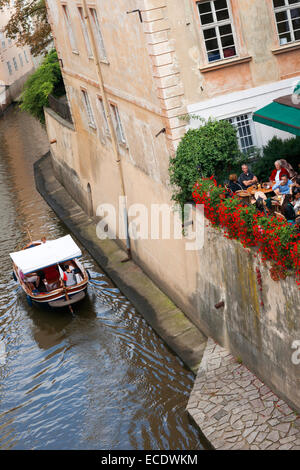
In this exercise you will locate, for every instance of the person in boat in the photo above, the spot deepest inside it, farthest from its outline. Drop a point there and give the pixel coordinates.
(69, 275)
(51, 277)
(32, 279)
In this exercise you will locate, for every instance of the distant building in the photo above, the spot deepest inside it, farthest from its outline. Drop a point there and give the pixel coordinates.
(15, 64)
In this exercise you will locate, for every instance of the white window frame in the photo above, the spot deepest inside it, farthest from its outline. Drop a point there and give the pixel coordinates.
(69, 26)
(118, 124)
(85, 32)
(216, 24)
(98, 33)
(286, 8)
(252, 134)
(104, 118)
(88, 108)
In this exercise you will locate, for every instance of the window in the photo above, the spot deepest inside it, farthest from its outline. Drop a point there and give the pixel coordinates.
(9, 68)
(245, 131)
(88, 109)
(26, 58)
(15, 63)
(101, 106)
(85, 32)
(118, 124)
(98, 34)
(287, 14)
(2, 39)
(21, 60)
(69, 28)
(9, 41)
(216, 23)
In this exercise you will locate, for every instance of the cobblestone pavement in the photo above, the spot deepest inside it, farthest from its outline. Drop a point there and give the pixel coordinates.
(235, 410)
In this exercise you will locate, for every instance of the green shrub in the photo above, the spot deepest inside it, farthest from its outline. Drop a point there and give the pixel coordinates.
(276, 149)
(214, 146)
(46, 80)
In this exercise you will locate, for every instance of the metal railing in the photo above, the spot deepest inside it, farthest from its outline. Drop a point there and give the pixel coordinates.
(60, 107)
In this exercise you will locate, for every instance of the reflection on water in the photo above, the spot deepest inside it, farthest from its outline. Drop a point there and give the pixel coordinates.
(98, 379)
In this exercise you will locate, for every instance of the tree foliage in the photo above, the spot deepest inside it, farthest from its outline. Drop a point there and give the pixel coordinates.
(212, 149)
(46, 80)
(28, 25)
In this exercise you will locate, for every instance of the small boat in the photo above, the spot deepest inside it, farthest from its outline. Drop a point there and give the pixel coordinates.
(50, 273)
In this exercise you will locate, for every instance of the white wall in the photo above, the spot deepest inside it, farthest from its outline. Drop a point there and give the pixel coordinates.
(242, 102)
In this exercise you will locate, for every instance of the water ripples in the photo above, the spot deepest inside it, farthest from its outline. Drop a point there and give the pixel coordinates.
(99, 379)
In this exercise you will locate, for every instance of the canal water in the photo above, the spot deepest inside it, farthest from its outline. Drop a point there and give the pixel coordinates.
(98, 379)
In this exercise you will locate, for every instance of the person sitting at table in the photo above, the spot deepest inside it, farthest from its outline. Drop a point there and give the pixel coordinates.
(296, 201)
(289, 168)
(283, 187)
(288, 209)
(234, 185)
(278, 172)
(246, 178)
(295, 186)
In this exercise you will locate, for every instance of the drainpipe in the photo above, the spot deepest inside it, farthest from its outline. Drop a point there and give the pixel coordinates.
(109, 119)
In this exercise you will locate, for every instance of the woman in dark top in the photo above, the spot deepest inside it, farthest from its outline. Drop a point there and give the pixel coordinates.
(234, 185)
(288, 209)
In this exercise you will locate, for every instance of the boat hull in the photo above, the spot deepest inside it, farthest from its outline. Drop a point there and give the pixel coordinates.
(57, 299)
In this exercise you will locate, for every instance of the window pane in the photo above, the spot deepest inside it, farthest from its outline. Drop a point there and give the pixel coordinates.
(229, 52)
(209, 33)
(281, 16)
(295, 13)
(283, 27)
(227, 40)
(211, 45)
(222, 15)
(278, 3)
(225, 29)
(284, 38)
(220, 4)
(212, 56)
(297, 35)
(296, 24)
(293, 1)
(204, 7)
(206, 19)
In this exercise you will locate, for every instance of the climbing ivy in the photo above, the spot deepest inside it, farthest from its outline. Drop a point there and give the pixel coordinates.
(46, 80)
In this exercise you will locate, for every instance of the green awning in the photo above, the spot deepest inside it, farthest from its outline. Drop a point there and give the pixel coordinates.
(285, 118)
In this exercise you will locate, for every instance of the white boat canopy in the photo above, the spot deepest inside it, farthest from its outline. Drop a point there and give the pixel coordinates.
(46, 254)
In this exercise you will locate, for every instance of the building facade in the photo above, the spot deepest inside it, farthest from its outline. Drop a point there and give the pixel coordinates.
(15, 64)
(133, 70)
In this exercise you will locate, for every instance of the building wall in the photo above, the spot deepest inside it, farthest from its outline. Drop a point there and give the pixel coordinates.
(12, 82)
